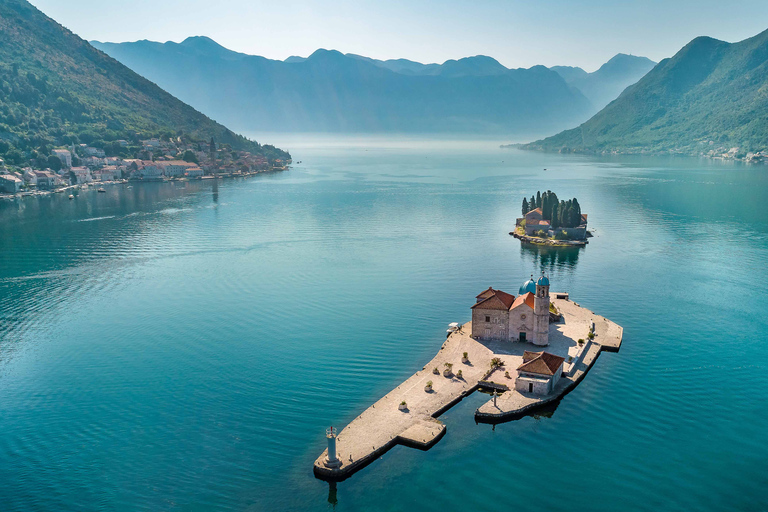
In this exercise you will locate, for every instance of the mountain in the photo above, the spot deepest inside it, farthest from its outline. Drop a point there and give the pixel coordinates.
(332, 92)
(604, 85)
(711, 93)
(56, 89)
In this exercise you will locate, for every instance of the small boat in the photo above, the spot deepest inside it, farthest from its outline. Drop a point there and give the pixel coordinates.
(71, 197)
(101, 190)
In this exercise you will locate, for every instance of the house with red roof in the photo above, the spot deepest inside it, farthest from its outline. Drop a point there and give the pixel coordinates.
(539, 373)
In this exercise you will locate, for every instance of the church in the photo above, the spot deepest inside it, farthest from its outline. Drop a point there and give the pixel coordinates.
(498, 315)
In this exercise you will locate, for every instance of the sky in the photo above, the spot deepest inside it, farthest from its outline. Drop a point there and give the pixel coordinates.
(516, 33)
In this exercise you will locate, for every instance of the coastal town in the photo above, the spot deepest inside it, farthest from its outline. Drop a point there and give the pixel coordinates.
(157, 160)
(528, 351)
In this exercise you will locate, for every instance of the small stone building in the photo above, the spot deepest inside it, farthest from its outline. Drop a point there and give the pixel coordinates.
(534, 221)
(539, 373)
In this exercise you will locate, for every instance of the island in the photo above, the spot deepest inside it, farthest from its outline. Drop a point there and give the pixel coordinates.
(529, 350)
(549, 221)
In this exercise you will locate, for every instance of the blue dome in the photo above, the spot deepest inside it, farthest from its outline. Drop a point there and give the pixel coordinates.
(543, 281)
(528, 286)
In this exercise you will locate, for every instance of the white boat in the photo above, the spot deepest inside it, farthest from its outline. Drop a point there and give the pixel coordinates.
(71, 197)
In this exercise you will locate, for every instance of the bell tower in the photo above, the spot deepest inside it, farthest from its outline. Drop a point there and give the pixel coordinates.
(541, 312)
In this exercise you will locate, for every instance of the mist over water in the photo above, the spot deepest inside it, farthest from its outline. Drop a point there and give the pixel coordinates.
(183, 346)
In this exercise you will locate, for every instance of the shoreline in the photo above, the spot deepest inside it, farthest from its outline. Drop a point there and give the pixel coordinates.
(384, 425)
(548, 241)
(126, 181)
(568, 151)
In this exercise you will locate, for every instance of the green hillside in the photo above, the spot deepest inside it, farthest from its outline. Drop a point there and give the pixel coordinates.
(711, 94)
(55, 88)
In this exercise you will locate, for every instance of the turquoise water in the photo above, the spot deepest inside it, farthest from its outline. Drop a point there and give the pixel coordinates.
(184, 346)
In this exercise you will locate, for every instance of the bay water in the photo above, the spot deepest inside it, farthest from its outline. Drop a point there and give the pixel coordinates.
(183, 346)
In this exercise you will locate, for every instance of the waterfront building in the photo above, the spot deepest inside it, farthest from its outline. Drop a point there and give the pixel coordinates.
(10, 184)
(79, 175)
(539, 373)
(174, 168)
(45, 180)
(497, 315)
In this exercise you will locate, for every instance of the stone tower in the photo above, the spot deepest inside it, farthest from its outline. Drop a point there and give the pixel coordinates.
(541, 312)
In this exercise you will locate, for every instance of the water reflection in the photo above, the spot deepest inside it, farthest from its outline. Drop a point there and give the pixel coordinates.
(332, 494)
(549, 258)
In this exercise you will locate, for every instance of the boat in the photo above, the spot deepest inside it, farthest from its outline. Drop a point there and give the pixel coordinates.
(71, 197)
(101, 190)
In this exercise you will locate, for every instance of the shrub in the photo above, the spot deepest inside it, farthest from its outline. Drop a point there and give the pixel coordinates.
(458, 374)
(465, 355)
(448, 366)
(403, 403)
(496, 362)
(581, 341)
(561, 235)
(436, 371)
(591, 335)
(429, 383)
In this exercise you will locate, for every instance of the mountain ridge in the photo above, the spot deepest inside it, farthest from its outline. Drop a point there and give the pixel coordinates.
(711, 94)
(57, 88)
(329, 91)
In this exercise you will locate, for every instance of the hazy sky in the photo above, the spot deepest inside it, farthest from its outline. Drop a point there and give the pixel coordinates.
(517, 33)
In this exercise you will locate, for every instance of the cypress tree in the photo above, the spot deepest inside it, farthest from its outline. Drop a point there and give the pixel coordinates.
(532, 203)
(555, 222)
(538, 199)
(577, 208)
(525, 206)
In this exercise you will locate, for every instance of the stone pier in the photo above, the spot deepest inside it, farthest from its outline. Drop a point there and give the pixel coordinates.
(384, 425)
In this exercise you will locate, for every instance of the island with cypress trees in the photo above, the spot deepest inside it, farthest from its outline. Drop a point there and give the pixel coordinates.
(551, 221)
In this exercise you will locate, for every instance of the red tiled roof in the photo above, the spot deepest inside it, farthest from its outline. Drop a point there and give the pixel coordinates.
(499, 300)
(486, 293)
(537, 210)
(526, 299)
(535, 222)
(541, 363)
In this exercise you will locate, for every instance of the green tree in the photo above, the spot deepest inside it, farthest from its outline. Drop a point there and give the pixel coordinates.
(54, 163)
(525, 206)
(554, 219)
(538, 199)
(189, 156)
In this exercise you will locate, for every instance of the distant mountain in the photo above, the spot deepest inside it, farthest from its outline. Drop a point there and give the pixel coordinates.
(710, 93)
(570, 73)
(332, 92)
(604, 85)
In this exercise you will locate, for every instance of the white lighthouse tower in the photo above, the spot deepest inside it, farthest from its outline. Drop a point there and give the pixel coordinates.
(331, 461)
(541, 312)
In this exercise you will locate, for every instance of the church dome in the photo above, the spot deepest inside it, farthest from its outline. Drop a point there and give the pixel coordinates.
(528, 286)
(543, 281)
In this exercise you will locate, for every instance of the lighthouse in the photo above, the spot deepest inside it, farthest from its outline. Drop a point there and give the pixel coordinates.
(331, 461)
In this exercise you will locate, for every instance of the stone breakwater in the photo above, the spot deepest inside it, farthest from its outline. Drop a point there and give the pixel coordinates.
(549, 241)
(385, 424)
